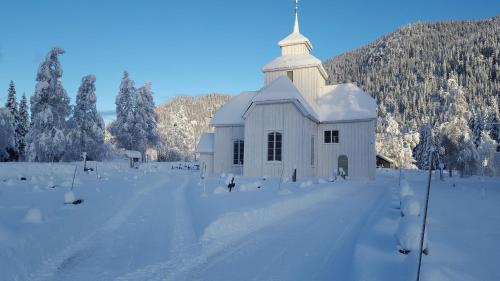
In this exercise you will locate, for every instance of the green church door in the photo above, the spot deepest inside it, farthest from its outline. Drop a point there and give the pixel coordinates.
(343, 165)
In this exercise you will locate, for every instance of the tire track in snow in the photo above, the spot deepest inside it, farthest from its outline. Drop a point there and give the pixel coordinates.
(183, 239)
(51, 266)
(217, 245)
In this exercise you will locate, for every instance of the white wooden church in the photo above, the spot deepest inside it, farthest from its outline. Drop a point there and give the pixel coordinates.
(294, 124)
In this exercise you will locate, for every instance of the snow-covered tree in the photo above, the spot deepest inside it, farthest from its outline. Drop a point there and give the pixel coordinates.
(86, 127)
(122, 128)
(476, 124)
(493, 120)
(459, 150)
(7, 141)
(145, 115)
(393, 144)
(135, 125)
(428, 143)
(22, 127)
(49, 111)
(11, 105)
(486, 149)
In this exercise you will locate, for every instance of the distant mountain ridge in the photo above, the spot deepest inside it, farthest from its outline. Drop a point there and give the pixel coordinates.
(403, 68)
(182, 119)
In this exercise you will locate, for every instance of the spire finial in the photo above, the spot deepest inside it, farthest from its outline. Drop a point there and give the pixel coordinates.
(296, 25)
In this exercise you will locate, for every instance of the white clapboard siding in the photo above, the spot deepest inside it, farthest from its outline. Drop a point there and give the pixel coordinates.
(294, 50)
(356, 141)
(296, 133)
(308, 81)
(223, 149)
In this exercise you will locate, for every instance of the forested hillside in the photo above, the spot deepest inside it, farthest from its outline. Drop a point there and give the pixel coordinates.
(408, 72)
(181, 121)
(402, 69)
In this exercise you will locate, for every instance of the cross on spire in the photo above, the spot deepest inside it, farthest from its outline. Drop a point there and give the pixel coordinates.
(296, 25)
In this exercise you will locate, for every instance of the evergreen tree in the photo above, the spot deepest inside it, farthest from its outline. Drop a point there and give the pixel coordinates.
(49, 111)
(22, 127)
(7, 141)
(477, 127)
(11, 105)
(86, 127)
(423, 149)
(146, 117)
(122, 128)
(493, 121)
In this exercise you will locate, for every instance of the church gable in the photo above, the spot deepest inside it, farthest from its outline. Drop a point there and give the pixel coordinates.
(282, 90)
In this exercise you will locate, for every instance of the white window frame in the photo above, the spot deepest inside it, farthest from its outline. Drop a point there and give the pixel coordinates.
(268, 132)
(331, 136)
(241, 154)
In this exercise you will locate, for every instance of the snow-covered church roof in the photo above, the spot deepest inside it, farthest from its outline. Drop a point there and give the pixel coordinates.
(206, 143)
(282, 89)
(231, 113)
(295, 38)
(344, 102)
(293, 62)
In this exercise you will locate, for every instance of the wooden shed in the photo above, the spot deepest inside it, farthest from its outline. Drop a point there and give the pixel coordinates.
(134, 158)
(385, 162)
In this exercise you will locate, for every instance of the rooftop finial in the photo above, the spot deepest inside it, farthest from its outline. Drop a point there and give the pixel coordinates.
(296, 25)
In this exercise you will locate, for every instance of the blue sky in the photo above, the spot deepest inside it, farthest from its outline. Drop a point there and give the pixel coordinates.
(192, 47)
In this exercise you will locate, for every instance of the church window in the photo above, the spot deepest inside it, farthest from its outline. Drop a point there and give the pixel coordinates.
(289, 74)
(332, 136)
(238, 152)
(274, 146)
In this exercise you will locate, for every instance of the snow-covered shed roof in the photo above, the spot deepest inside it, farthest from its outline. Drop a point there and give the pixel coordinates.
(294, 62)
(282, 89)
(206, 143)
(132, 154)
(385, 158)
(345, 102)
(232, 112)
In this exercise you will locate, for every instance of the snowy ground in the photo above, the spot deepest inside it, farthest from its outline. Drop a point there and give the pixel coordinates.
(156, 223)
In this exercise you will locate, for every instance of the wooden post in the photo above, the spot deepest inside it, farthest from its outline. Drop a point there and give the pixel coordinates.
(422, 234)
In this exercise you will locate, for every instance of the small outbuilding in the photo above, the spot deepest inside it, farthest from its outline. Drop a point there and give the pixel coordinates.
(385, 162)
(134, 158)
(205, 149)
(496, 161)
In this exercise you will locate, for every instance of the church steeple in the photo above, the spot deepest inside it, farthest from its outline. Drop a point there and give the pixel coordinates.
(296, 25)
(295, 43)
(296, 62)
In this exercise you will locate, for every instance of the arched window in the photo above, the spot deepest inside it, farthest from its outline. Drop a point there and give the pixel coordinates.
(238, 151)
(274, 146)
(343, 165)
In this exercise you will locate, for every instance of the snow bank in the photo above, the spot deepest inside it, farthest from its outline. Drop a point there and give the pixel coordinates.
(249, 187)
(33, 215)
(410, 206)
(321, 181)
(220, 189)
(306, 184)
(239, 224)
(405, 190)
(69, 197)
(408, 234)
